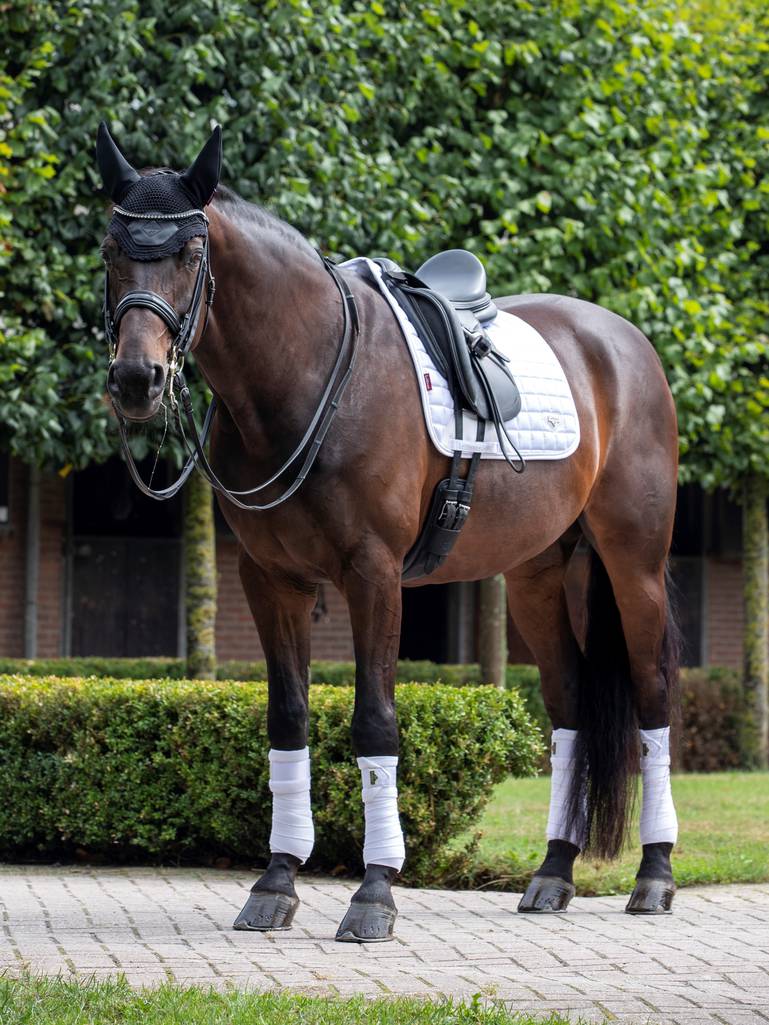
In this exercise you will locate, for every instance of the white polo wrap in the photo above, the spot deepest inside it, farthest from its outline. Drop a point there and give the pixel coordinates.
(562, 762)
(383, 843)
(659, 823)
(292, 828)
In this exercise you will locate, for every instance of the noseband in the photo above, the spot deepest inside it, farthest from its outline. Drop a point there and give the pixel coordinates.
(183, 332)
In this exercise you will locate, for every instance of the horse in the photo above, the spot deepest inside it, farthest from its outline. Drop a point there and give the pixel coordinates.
(283, 326)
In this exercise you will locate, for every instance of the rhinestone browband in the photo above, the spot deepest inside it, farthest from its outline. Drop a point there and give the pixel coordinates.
(159, 217)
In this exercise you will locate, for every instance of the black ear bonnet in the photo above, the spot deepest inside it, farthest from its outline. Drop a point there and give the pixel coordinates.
(156, 214)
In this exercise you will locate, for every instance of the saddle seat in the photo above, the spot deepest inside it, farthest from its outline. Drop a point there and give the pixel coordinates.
(461, 278)
(447, 302)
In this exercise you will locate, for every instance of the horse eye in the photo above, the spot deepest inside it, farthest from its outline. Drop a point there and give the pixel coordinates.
(194, 258)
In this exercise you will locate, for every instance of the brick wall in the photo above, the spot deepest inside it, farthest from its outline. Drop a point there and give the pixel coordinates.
(236, 636)
(12, 567)
(724, 613)
(12, 552)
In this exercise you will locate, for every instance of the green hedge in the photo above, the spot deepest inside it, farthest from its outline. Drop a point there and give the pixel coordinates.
(711, 699)
(178, 770)
(332, 673)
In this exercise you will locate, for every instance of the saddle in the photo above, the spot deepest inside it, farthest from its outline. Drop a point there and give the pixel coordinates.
(448, 304)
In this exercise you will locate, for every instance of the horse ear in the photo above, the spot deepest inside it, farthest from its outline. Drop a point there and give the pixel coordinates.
(202, 176)
(116, 173)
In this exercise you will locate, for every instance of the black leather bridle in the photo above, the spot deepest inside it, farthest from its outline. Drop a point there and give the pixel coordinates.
(183, 330)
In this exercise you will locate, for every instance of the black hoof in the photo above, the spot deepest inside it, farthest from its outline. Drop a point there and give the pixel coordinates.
(651, 897)
(546, 895)
(264, 912)
(367, 923)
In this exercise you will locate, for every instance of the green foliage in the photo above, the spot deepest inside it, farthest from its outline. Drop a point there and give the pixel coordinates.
(713, 713)
(174, 769)
(713, 708)
(615, 151)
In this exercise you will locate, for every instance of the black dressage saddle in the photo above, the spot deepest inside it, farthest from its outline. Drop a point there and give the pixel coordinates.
(447, 302)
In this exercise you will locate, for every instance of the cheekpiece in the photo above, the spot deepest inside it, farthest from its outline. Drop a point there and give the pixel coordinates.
(156, 218)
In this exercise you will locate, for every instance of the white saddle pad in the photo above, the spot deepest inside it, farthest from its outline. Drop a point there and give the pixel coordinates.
(547, 426)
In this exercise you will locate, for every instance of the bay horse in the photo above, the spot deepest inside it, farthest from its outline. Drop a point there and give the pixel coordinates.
(278, 326)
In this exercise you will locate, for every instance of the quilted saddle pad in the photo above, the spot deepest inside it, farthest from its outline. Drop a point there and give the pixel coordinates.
(547, 426)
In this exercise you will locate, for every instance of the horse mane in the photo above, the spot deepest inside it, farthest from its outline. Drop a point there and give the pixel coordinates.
(242, 210)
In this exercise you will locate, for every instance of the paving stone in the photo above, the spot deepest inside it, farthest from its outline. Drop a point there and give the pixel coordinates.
(707, 964)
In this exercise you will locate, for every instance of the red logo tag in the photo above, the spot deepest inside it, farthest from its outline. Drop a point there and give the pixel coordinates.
(428, 382)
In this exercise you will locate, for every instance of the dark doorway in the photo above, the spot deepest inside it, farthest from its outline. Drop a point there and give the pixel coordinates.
(125, 555)
(424, 626)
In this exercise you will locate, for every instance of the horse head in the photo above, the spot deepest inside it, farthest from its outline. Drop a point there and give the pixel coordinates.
(157, 270)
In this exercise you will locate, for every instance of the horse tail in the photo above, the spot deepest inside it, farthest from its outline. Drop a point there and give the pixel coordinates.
(606, 753)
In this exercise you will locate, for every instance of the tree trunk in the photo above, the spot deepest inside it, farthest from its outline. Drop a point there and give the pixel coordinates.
(755, 568)
(200, 578)
(32, 564)
(492, 633)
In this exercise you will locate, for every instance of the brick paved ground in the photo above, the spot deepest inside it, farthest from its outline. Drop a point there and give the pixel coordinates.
(709, 962)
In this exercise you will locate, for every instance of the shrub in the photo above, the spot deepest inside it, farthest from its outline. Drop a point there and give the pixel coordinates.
(169, 770)
(712, 710)
(116, 668)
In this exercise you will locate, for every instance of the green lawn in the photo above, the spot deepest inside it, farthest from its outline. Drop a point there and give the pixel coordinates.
(57, 1002)
(724, 835)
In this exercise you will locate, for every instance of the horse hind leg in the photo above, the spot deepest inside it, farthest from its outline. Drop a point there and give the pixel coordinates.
(637, 573)
(538, 605)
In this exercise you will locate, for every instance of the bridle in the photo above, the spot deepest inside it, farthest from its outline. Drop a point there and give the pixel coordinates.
(183, 330)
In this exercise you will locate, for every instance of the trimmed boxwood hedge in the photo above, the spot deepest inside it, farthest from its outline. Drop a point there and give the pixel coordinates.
(332, 673)
(711, 698)
(178, 769)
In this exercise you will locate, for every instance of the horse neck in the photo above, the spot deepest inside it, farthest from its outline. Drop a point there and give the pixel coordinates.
(274, 329)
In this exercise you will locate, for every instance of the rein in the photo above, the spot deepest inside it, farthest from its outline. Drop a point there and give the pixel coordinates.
(183, 332)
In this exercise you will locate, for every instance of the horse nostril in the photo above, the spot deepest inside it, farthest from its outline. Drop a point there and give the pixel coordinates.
(112, 385)
(158, 379)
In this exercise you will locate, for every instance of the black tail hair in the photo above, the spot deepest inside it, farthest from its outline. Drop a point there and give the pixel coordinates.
(604, 781)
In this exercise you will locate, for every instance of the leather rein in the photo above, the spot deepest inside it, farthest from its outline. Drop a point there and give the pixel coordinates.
(183, 333)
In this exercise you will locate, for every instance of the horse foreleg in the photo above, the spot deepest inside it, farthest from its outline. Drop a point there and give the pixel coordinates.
(538, 606)
(372, 589)
(282, 612)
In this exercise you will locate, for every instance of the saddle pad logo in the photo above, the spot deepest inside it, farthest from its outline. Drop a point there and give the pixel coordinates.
(554, 421)
(428, 382)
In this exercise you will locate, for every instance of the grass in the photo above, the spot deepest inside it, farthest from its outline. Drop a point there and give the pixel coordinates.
(723, 838)
(39, 1001)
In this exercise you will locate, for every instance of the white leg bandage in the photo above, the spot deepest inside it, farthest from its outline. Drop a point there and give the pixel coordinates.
(659, 823)
(562, 760)
(384, 839)
(292, 828)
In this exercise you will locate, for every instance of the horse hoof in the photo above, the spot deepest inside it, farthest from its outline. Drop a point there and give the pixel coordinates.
(546, 895)
(651, 897)
(264, 912)
(367, 923)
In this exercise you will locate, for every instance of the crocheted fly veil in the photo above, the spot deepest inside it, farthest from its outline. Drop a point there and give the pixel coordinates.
(157, 213)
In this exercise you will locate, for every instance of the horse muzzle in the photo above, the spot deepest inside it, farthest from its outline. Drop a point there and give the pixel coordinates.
(136, 387)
